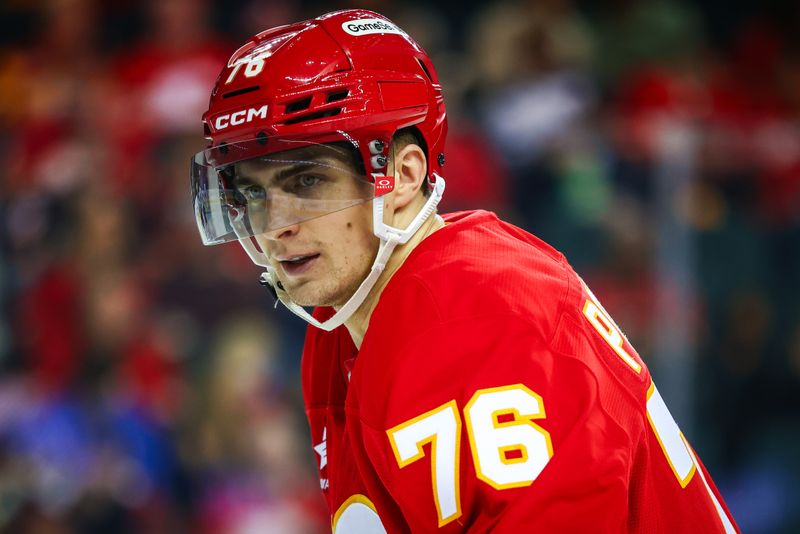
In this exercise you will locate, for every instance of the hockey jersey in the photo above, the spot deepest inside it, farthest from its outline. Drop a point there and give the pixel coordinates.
(493, 393)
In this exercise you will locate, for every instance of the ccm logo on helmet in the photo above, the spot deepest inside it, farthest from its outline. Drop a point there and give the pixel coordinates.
(368, 26)
(239, 117)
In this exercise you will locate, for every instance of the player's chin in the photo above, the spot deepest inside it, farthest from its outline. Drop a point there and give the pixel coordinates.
(310, 296)
(306, 295)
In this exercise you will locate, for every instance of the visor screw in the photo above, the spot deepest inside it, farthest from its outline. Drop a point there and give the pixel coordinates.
(262, 138)
(379, 161)
(223, 148)
(376, 146)
(441, 159)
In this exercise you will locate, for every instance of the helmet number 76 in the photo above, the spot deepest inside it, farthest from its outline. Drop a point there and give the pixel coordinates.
(254, 67)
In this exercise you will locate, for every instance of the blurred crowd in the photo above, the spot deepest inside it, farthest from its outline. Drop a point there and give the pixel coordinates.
(146, 383)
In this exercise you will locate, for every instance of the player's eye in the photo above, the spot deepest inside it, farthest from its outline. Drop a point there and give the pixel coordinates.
(308, 180)
(304, 185)
(253, 193)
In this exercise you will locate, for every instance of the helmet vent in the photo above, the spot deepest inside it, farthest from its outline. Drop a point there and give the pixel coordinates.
(241, 91)
(312, 116)
(298, 105)
(338, 95)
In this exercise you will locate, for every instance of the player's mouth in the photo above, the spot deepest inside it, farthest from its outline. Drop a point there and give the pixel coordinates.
(297, 265)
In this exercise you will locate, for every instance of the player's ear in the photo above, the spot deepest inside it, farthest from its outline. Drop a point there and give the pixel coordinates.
(409, 171)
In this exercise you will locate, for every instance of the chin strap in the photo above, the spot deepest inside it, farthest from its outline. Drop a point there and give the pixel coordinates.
(389, 235)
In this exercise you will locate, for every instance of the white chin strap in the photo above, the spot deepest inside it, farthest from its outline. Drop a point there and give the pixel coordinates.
(389, 237)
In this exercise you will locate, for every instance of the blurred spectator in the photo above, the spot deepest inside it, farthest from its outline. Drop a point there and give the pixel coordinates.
(254, 475)
(539, 88)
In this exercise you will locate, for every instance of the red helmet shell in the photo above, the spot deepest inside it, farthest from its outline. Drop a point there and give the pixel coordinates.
(349, 73)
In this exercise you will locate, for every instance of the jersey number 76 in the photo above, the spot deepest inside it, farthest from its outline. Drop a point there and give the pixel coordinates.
(509, 449)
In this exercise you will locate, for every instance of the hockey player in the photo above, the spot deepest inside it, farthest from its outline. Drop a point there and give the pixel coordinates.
(458, 375)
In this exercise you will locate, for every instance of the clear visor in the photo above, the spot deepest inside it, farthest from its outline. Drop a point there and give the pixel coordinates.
(247, 189)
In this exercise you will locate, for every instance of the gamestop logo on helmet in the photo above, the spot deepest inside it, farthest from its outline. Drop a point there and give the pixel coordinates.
(370, 26)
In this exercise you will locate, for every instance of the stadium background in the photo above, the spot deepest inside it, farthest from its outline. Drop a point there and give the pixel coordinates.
(146, 385)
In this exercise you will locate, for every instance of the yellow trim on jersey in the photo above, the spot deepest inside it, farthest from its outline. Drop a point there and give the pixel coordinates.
(353, 499)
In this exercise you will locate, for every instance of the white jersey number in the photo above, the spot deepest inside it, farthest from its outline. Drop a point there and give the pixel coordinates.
(441, 428)
(510, 452)
(508, 449)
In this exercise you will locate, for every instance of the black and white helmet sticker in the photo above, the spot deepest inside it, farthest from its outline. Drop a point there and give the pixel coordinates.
(370, 26)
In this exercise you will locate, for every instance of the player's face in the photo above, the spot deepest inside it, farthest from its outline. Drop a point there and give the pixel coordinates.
(320, 261)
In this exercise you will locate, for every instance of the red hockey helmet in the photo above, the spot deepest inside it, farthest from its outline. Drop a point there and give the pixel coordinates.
(348, 77)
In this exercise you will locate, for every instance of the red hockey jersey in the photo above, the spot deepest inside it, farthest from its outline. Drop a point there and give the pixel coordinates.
(493, 393)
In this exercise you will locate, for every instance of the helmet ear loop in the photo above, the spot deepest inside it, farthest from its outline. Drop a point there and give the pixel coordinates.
(387, 233)
(384, 176)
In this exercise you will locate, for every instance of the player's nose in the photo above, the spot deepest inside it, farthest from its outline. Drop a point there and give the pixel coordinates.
(281, 221)
(282, 231)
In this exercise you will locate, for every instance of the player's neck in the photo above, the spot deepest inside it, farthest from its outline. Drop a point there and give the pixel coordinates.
(358, 322)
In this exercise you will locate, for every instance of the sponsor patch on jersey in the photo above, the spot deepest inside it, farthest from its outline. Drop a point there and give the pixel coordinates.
(370, 26)
(239, 117)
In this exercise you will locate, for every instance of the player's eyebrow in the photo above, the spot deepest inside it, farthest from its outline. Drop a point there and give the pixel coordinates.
(294, 168)
(284, 173)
